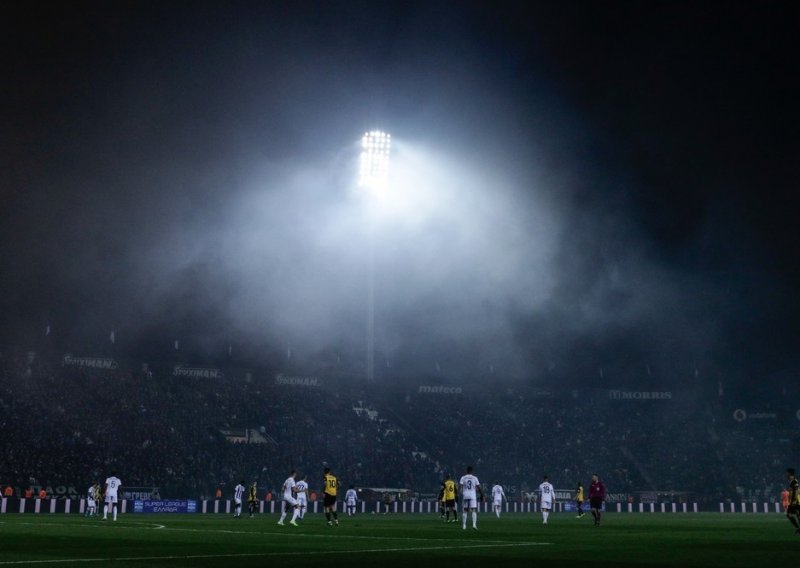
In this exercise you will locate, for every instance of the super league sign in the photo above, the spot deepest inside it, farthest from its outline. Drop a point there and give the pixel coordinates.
(165, 506)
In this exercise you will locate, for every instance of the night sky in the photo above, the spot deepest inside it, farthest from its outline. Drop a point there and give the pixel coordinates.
(582, 186)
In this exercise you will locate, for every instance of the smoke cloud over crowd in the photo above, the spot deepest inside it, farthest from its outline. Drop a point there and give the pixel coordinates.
(192, 176)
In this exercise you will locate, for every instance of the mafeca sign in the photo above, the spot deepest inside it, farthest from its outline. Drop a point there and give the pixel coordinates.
(439, 389)
(197, 372)
(165, 506)
(90, 362)
(740, 415)
(639, 395)
(297, 381)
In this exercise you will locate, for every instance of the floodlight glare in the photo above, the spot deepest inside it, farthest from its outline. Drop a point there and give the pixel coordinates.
(374, 164)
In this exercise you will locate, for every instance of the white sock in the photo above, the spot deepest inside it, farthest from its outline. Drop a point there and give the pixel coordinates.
(545, 514)
(474, 518)
(497, 512)
(295, 515)
(105, 511)
(465, 518)
(115, 512)
(283, 516)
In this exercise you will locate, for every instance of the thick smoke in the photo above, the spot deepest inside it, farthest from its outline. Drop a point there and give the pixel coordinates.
(193, 178)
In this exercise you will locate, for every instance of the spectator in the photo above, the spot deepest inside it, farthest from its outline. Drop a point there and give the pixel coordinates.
(167, 432)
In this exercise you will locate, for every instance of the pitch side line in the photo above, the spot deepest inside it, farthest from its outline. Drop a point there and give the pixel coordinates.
(291, 533)
(337, 536)
(146, 525)
(266, 554)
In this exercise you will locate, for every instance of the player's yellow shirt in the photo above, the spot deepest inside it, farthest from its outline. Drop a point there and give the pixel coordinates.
(579, 494)
(252, 497)
(449, 490)
(331, 484)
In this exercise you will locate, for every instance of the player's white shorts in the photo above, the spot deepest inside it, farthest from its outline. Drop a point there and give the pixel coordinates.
(111, 499)
(303, 503)
(547, 505)
(469, 503)
(498, 503)
(289, 500)
(91, 503)
(237, 502)
(351, 503)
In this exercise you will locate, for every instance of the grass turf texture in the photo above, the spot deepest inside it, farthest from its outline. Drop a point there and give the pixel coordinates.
(410, 541)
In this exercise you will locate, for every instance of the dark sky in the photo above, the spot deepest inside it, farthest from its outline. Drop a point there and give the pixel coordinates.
(599, 185)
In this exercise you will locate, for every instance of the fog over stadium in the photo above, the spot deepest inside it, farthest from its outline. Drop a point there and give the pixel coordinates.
(593, 194)
(581, 264)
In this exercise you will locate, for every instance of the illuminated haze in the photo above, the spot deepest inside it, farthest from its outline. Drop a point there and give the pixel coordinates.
(192, 176)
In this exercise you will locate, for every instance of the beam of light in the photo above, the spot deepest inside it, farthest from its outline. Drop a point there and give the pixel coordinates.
(374, 162)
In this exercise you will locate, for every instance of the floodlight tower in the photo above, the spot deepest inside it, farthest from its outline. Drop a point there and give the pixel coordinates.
(373, 177)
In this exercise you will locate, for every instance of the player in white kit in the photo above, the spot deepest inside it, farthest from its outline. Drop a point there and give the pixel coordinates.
(350, 500)
(238, 491)
(289, 500)
(497, 498)
(470, 489)
(547, 498)
(91, 501)
(301, 490)
(113, 484)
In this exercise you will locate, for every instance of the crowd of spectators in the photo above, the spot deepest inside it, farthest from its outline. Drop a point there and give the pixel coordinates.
(69, 426)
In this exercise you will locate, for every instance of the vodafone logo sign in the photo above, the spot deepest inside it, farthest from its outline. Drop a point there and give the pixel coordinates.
(741, 415)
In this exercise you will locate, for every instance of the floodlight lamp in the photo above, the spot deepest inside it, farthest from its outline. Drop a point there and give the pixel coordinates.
(374, 160)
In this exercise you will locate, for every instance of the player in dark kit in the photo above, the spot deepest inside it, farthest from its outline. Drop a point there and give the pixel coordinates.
(579, 499)
(252, 499)
(450, 496)
(793, 510)
(330, 487)
(440, 500)
(597, 494)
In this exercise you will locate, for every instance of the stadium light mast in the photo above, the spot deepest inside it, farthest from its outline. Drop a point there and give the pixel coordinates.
(373, 177)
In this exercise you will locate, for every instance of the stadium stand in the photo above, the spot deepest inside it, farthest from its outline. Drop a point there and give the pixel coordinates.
(66, 425)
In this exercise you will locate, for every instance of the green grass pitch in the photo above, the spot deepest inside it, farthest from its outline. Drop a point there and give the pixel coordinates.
(410, 541)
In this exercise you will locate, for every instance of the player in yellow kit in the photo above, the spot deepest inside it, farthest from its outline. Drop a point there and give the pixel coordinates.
(252, 499)
(331, 486)
(579, 499)
(450, 496)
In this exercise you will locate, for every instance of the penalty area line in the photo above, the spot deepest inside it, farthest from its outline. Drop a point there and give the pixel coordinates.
(269, 554)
